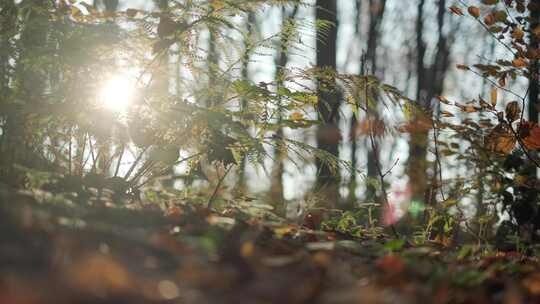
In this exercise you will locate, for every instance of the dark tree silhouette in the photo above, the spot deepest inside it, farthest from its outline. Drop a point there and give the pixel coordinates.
(328, 136)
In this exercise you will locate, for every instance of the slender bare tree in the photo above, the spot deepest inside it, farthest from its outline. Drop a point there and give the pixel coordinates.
(328, 136)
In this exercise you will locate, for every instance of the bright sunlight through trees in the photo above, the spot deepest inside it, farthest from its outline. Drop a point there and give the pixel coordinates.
(116, 92)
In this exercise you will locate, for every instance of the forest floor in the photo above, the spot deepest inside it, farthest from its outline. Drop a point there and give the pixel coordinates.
(55, 253)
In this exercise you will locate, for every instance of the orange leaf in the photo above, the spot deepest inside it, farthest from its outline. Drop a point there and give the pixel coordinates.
(467, 108)
(100, 272)
(368, 126)
(517, 33)
(391, 264)
(519, 62)
(474, 11)
(493, 96)
(489, 19)
(501, 139)
(532, 284)
(418, 126)
(446, 114)
(296, 116)
(443, 99)
(529, 132)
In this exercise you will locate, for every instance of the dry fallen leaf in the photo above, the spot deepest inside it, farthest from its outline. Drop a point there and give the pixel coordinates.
(97, 273)
(501, 139)
(532, 284)
(391, 264)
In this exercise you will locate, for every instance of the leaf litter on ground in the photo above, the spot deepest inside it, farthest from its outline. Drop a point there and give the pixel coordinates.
(53, 253)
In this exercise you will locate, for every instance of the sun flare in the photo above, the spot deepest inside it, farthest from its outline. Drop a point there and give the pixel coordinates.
(116, 93)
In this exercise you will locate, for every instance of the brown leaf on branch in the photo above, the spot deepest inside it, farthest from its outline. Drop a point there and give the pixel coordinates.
(489, 19)
(519, 62)
(529, 133)
(493, 97)
(501, 139)
(372, 125)
(517, 33)
(417, 126)
(474, 11)
(513, 111)
(456, 10)
(467, 108)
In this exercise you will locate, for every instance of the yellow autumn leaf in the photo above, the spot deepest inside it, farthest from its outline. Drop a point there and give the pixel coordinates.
(493, 97)
(296, 116)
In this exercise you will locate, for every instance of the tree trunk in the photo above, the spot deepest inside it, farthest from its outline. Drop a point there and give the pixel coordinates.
(31, 80)
(328, 136)
(241, 185)
(376, 13)
(280, 155)
(534, 89)
(354, 120)
(430, 83)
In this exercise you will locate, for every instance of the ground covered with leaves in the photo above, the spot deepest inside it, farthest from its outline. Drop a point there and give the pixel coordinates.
(60, 253)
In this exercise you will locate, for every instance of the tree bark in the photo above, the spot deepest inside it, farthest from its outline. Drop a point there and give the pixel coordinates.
(430, 83)
(31, 80)
(354, 120)
(376, 14)
(280, 154)
(328, 135)
(534, 89)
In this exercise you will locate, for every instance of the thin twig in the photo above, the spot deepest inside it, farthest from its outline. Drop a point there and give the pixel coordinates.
(135, 163)
(375, 149)
(167, 168)
(214, 194)
(70, 151)
(437, 157)
(489, 32)
(391, 168)
(119, 161)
